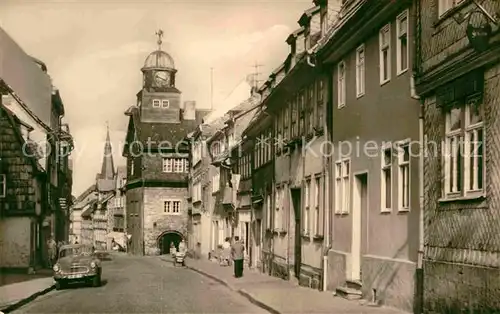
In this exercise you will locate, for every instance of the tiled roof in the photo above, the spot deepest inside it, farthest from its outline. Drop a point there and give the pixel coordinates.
(165, 132)
(107, 198)
(106, 185)
(90, 209)
(15, 123)
(89, 190)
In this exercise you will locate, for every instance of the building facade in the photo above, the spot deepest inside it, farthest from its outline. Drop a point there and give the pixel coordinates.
(80, 205)
(202, 202)
(157, 167)
(458, 81)
(375, 165)
(36, 180)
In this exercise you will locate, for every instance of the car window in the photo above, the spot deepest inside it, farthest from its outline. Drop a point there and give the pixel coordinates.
(67, 252)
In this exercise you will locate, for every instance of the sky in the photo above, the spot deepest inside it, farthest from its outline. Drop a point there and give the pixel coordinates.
(94, 51)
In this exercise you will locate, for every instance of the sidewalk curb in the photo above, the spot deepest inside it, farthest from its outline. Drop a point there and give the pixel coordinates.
(241, 292)
(22, 302)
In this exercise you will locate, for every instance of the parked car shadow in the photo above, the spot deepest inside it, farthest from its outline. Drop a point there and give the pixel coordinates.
(77, 285)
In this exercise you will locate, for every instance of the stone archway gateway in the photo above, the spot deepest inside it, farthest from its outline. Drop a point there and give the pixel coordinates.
(168, 237)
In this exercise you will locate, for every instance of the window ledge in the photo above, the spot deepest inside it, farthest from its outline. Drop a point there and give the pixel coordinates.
(468, 198)
(341, 213)
(401, 72)
(197, 202)
(318, 238)
(382, 83)
(340, 106)
(360, 95)
(306, 236)
(403, 210)
(450, 13)
(386, 211)
(279, 231)
(215, 193)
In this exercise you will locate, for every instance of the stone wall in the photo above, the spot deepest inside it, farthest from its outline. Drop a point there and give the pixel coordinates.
(15, 242)
(156, 221)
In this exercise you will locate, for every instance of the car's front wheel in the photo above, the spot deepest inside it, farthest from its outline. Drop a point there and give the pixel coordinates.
(59, 285)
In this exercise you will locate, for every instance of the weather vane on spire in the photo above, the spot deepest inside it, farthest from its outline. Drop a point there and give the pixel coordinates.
(159, 33)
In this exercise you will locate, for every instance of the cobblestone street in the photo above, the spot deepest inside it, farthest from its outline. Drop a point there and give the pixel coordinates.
(144, 285)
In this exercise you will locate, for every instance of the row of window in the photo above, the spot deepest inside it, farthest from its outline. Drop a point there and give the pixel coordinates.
(263, 152)
(197, 151)
(196, 193)
(215, 182)
(311, 209)
(312, 224)
(385, 49)
(464, 150)
(172, 207)
(161, 103)
(303, 113)
(245, 166)
(175, 165)
(403, 173)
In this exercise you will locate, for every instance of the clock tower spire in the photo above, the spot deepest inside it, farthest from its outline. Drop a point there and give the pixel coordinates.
(160, 99)
(159, 33)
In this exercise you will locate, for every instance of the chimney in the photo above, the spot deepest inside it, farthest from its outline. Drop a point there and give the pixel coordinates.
(189, 110)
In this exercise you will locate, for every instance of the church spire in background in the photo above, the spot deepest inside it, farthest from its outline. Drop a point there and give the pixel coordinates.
(108, 166)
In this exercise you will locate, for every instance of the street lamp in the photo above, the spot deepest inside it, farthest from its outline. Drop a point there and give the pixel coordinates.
(478, 28)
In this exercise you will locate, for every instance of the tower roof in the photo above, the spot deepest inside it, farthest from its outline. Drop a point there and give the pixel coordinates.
(159, 59)
(108, 166)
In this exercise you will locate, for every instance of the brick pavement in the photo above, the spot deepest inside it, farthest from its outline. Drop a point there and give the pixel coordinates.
(280, 296)
(17, 294)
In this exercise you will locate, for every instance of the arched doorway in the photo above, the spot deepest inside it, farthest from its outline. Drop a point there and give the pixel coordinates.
(167, 238)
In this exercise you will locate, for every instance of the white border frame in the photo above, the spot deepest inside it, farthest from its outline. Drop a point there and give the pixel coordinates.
(383, 209)
(360, 92)
(341, 211)
(341, 103)
(404, 14)
(402, 143)
(389, 66)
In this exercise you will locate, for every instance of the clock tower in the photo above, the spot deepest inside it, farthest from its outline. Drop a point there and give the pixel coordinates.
(159, 100)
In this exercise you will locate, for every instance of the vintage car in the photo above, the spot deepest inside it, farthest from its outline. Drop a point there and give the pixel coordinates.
(77, 263)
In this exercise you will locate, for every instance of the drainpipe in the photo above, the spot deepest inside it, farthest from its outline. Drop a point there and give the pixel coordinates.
(420, 257)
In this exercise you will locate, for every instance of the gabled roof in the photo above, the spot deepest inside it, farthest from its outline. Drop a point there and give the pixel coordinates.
(87, 212)
(290, 39)
(85, 193)
(107, 198)
(306, 16)
(172, 133)
(15, 122)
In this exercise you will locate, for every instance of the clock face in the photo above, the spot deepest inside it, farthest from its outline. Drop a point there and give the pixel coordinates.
(162, 78)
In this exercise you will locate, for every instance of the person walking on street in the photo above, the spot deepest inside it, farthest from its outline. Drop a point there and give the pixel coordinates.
(182, 246)
(237, 253)
(226, 253)
(52, 250)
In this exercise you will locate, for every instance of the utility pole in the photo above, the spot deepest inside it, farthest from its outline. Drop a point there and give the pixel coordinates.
(211, 89)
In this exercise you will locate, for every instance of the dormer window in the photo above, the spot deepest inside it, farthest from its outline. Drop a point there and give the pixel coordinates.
(156, 103)
(165, 103)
